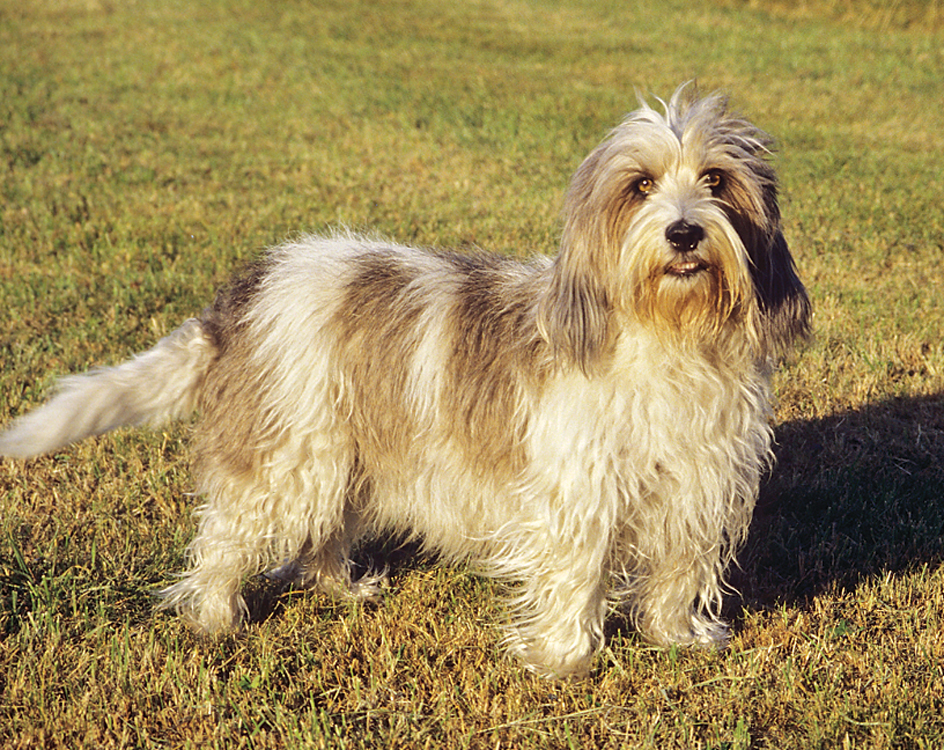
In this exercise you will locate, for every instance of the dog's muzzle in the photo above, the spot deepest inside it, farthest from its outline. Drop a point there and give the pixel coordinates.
(684, 238)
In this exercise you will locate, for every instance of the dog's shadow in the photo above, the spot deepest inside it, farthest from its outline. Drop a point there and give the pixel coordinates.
(851, 496)
(266, 597)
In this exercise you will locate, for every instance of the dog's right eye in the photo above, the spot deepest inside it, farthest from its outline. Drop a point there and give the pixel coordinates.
(643, 186)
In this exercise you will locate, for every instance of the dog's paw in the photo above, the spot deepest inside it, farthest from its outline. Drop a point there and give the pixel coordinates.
(709, 633)
(369, 587)
(290, 572)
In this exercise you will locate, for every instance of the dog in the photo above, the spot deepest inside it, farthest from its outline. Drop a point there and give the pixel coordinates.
(591, 428)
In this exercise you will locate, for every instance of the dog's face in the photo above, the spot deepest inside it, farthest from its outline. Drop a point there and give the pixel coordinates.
(673, 221)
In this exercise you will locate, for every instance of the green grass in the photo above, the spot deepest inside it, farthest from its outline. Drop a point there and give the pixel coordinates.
(148, 150)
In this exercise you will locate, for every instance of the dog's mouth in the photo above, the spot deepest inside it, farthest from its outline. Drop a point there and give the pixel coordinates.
(686, 268)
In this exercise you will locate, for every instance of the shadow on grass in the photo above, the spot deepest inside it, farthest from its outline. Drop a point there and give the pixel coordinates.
(851, 496)
(265, 597)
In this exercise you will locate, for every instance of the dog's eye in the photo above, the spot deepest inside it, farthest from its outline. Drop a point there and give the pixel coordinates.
(644, 185)
(715, 181)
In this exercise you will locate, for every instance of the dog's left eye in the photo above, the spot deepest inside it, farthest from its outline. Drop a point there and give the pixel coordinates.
(715, 181)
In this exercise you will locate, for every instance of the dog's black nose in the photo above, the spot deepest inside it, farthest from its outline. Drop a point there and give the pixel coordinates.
(684, 236)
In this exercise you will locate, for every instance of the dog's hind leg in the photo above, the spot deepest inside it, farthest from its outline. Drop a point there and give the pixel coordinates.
(292, 504)
(221, 556)
(329, 568)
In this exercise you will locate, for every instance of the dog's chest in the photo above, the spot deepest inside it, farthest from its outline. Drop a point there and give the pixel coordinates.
(651, 413)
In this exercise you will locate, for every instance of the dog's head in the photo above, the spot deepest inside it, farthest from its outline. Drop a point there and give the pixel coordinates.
(673, 221)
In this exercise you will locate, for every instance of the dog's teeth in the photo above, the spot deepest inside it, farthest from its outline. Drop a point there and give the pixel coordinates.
(685, 268)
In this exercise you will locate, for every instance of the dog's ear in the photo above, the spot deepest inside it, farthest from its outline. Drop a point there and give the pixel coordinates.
(783, 311)
(573, 314)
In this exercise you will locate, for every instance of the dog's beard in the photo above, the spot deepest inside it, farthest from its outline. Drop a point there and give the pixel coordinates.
(689, 295)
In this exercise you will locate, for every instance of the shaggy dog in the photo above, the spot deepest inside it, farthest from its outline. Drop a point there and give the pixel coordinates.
(591, 427)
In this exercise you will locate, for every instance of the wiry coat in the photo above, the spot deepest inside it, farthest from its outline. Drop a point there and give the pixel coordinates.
(593, 426)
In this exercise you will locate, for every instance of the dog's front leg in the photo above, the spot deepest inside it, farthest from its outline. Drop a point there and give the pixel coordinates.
(679, 600)
(559, 611)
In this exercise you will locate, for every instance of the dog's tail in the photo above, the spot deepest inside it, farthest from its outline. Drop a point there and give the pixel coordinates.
(152, 388)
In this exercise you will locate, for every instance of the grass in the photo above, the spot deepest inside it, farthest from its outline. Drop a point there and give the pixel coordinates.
(147, 150)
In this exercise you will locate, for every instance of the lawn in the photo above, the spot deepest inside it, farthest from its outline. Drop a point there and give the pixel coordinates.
(148, 150)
